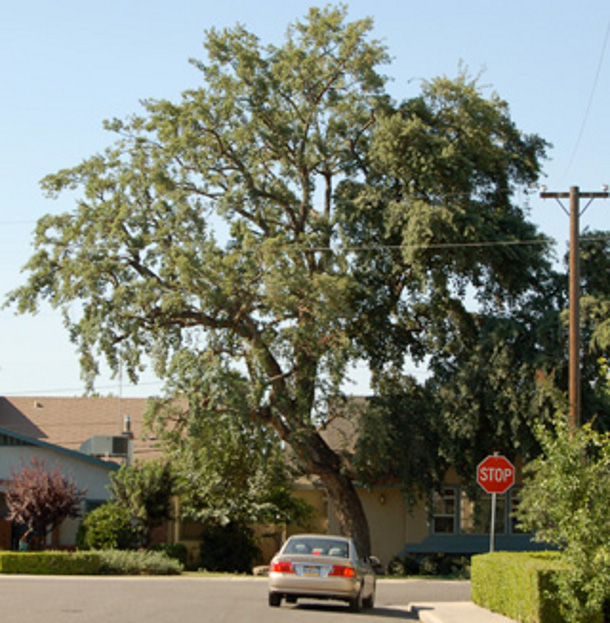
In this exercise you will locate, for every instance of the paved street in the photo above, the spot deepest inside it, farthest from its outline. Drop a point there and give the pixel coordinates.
(195, 600)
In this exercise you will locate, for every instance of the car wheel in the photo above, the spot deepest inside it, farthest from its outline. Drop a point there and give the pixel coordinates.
(355, 604)
(369, 602)
(275, 600)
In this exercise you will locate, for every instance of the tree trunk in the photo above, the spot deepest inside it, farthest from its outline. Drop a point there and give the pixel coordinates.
(349, 510)
(319, 459)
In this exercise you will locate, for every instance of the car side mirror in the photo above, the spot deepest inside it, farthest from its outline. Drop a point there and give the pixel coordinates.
(375, 563)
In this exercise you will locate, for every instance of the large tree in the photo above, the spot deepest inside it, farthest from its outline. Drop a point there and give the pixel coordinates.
(283, 220)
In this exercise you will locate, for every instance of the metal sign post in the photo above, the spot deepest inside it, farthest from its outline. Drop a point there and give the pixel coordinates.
(492, 532)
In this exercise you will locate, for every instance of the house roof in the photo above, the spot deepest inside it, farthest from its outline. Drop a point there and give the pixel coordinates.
(69, 422)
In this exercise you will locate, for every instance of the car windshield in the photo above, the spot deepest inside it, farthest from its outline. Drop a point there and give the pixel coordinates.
(317, 547)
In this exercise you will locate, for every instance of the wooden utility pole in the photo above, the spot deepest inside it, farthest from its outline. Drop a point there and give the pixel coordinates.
(574, 195)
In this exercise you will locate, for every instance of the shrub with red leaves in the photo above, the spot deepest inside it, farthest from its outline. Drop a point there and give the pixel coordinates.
(41, 498)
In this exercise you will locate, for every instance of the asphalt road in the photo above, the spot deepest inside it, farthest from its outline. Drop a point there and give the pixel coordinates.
(31, 599)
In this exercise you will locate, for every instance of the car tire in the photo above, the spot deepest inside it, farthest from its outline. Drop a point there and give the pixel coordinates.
(275, 600)
(355, 604)
(369, 602)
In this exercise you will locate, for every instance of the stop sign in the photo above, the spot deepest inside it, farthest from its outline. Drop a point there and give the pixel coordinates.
(496, 474)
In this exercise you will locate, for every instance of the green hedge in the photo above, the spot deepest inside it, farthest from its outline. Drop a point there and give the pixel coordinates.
(50, 563)
(124, 562)
(103, 562)
(519, 585)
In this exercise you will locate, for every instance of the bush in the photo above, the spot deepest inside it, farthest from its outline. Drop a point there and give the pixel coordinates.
(108, 527)
(432, 564)
(229, 548)
(117, 562)
(522, 586)
(445, 565)
(177, 551)
(565, 502)
(403, 565)
(50, 563)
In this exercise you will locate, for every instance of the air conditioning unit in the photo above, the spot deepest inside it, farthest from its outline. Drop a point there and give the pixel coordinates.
(107, 446)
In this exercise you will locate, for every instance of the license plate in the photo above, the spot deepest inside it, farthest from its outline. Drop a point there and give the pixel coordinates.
(307, 570)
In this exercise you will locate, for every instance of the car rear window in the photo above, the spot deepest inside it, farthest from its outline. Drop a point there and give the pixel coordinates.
(317, 547)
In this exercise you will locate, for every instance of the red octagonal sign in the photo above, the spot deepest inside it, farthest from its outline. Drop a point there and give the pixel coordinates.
(496, 474)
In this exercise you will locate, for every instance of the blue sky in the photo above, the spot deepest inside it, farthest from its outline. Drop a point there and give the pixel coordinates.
(67, 65)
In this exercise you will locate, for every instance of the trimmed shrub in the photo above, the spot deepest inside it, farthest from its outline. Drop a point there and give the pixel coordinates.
(108, 527)
(117, 562)
(522, 586)
(50, 563)
(108, 562)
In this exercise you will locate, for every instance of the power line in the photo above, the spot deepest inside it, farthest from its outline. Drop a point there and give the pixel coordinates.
(590, 102)
(82, 390)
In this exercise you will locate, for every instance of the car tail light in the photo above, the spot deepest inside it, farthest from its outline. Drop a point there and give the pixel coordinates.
(282, 566)
(343, 571)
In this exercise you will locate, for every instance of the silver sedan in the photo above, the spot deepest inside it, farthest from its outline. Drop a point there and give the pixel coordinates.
(321, 567)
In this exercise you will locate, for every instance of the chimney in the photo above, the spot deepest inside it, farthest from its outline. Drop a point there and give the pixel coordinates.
(127, 427)
(127, 432)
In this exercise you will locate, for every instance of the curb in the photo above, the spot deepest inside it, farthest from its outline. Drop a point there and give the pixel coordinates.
(456, 612)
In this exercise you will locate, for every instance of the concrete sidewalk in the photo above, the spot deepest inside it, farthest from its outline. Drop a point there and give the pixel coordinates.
(456, 612)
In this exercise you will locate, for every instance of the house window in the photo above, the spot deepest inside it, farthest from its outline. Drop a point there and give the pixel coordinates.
(8, 440)
(444, 511)
(475, 514)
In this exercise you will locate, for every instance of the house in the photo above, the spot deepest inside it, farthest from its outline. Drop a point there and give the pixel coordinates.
(86, 438)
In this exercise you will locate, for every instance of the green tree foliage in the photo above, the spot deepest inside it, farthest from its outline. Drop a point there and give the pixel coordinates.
(437, 222)
(228, 469)
(595, 311)
(487, 393)
(565, 501)
(145, 491)
(107, 527)
(284, 220)
(399, 437)
(42, 498)
(451, 274)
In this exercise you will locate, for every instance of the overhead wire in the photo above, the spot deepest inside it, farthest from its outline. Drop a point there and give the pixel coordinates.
(589, 103)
